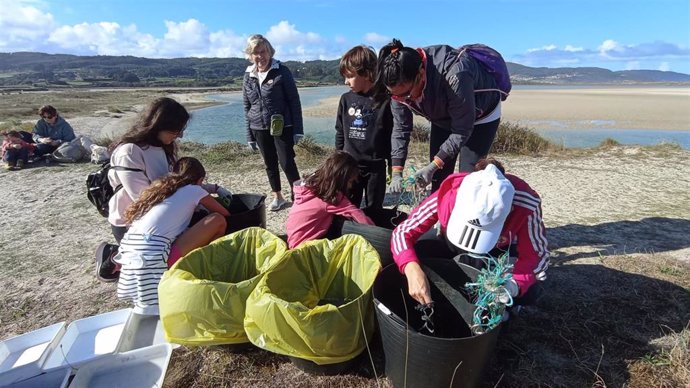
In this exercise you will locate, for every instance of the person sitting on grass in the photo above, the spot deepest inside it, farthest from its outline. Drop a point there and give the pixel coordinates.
(159, 233)
(50, 131)
(15, 151)
(483, 212)
(321, 196)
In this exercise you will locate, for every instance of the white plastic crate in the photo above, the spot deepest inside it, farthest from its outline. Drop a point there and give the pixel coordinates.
(89, 338)
(57, 378)
(141, 331)
(21, 357)
(140, 368)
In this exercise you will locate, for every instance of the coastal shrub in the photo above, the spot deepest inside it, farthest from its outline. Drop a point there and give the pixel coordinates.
(311, 153)
(229, 151)
(520, 140)
(420, 132)
(16, 125)
(609, 142)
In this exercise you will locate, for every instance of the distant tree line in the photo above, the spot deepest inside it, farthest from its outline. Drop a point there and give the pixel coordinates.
(39, 70)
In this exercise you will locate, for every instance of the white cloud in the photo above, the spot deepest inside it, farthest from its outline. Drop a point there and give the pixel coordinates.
(292, 44)
(23, 26)
(550, 47)
(188, 38)
(609, 54)
(664, 66)
(375, 39)
(104, 38)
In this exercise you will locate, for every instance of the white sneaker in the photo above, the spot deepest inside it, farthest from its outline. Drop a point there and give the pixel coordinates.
(277, 204)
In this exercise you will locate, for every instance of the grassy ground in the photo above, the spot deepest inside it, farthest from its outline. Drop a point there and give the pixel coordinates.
(610, 316)
(17, 106)
(607, 318)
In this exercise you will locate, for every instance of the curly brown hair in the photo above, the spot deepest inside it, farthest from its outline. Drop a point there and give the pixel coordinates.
(335, 176)
(186, 171)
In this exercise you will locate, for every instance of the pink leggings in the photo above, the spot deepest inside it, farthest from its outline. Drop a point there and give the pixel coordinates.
(175, 255)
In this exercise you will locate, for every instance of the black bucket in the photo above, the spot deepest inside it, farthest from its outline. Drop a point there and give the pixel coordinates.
(313, 368)
(378, 236)
(246, 210)
(452, 356)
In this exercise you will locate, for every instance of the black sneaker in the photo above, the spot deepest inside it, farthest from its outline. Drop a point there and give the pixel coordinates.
(105, 267)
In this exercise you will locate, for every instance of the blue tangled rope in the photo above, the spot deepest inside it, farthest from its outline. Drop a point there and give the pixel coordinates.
(492, 296)
(411, 195)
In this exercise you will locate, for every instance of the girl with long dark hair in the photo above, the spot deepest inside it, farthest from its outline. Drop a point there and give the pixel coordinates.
(321, 196)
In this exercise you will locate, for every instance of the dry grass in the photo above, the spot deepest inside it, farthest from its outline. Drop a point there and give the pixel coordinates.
(610, 322)
(19, 106)
(607, 318)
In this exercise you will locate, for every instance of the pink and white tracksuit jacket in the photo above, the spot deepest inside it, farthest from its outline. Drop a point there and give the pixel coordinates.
(524, 227)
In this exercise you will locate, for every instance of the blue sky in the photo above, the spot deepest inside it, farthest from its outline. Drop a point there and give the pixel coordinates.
(613, 34)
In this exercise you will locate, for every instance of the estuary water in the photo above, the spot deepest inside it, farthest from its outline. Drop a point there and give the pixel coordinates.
(226, 122)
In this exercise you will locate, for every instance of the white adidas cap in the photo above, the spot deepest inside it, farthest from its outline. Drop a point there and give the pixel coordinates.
(482, 205)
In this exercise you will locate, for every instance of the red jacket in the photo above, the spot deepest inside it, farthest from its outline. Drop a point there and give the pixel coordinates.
(524, 227)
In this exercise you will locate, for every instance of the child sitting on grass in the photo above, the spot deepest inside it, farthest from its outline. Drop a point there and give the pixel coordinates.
(321, 196)
(158, 235)
(15, 151)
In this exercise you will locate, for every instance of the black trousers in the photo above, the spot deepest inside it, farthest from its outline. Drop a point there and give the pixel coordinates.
(476, 147)
(275, 150)
(371, 185)
(42, 149)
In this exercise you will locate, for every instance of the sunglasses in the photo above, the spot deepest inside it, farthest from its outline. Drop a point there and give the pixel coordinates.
(407, 95)
(48, 117)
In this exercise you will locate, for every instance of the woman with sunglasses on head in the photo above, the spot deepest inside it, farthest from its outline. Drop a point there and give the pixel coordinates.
(145, 153)
(50, 131)
(453, 91)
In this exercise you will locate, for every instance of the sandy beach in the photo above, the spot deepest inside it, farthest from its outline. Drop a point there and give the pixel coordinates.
(616, 205)
(624, 107)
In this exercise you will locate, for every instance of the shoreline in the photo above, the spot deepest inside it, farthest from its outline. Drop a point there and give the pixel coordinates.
(596, 108)
(570, 109)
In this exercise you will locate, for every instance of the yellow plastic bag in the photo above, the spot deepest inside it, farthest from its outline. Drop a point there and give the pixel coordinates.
(202, 297)
(316, 303)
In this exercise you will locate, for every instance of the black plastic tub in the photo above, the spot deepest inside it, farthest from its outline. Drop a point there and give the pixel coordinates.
(452, 356)
(246, 210)
(327, 369)
(378, 236)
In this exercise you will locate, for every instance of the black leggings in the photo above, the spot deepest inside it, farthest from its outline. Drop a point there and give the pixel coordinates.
(476, 147)
(274, 150)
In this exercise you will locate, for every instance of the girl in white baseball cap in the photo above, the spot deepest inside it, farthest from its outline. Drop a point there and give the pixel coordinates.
(479, 212)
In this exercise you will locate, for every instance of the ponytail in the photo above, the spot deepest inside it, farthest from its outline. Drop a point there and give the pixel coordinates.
(396, 64)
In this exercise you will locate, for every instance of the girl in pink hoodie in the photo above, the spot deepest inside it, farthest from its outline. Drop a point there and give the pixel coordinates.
(321, 196)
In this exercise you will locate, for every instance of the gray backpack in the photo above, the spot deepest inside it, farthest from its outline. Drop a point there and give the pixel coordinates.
(71, 152)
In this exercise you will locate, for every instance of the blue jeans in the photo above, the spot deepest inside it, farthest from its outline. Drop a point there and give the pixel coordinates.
(12, 155)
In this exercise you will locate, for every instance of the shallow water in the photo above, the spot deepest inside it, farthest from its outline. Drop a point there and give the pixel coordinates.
(226, 122)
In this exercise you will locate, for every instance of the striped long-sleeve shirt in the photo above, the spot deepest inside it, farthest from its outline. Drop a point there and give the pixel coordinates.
(523, 228)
